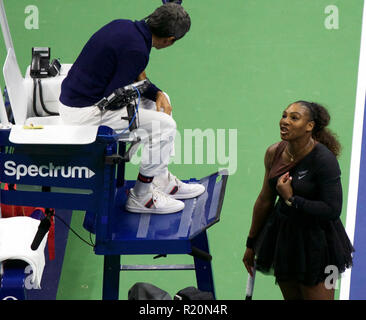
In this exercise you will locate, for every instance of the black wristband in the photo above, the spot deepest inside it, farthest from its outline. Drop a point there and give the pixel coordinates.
(294, 202)
(250, 243)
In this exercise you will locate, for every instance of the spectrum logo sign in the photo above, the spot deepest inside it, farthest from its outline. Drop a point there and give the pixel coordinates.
(50, 171)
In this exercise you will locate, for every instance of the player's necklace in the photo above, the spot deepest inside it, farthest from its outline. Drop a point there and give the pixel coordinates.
(293, 156)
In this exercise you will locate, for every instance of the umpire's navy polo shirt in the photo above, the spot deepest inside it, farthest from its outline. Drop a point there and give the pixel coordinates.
(112, 58)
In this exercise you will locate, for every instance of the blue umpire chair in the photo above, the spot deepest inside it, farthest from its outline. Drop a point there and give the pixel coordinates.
(90, 160)
(94, 167)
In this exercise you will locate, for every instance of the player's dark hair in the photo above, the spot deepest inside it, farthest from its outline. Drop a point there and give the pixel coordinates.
(169, 20)
(321, 133)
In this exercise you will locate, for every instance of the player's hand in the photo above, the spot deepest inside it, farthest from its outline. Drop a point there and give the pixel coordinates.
(162, 103)
(284, 187)
(248, 260)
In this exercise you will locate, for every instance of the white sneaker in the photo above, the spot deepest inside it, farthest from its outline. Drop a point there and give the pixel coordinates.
(178, 189)
(153, 202)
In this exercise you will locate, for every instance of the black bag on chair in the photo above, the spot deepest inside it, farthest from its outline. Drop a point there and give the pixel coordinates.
(192, 293)
(147, 291)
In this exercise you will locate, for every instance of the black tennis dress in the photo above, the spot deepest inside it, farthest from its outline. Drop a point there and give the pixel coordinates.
(297, 243)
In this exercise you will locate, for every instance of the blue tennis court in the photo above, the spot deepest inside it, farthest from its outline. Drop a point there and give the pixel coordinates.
(354, 281)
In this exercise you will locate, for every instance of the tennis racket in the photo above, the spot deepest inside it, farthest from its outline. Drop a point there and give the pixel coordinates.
(250, 285)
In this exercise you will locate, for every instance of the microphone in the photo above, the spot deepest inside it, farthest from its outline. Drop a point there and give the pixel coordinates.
(43, 228)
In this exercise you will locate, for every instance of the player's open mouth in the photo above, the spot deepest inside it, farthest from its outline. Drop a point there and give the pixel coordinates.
(283, 130)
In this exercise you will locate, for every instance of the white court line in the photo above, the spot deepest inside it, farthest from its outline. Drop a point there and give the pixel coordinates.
(356, 154)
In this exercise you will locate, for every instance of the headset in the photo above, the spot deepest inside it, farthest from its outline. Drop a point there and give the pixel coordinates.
(175, 1)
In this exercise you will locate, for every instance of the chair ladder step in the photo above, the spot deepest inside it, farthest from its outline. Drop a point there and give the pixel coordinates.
(144, 267)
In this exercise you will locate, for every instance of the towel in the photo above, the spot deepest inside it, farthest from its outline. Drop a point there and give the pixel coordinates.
(7, 211)
(16, 237)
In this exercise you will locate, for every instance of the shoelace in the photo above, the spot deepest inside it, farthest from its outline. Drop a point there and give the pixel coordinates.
(173, 177)
(156, 194)
(170, 178)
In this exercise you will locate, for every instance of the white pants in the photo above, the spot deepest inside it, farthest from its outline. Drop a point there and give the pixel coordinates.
(156, 129)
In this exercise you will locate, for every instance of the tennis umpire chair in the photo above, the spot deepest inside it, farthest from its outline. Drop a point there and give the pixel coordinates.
(93, 158)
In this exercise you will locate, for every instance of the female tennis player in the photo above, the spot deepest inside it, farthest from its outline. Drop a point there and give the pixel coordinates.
(300, 237)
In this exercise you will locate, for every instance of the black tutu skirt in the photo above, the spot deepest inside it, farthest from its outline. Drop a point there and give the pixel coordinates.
(300, 248)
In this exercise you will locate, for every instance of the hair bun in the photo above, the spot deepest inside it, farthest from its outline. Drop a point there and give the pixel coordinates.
(321, 117)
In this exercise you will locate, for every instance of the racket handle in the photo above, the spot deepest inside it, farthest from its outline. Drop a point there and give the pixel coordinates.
(250, 286)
